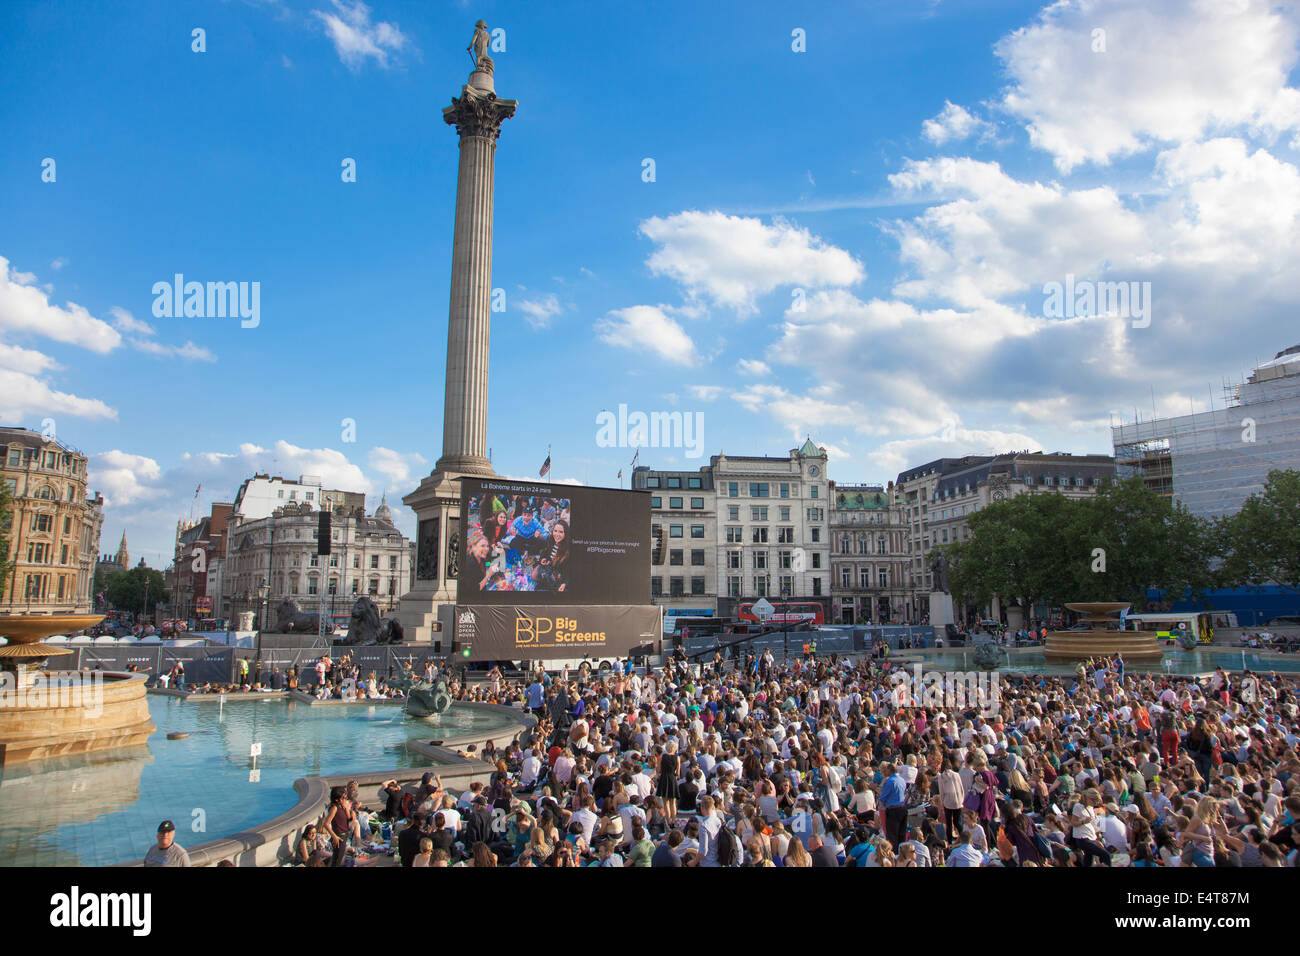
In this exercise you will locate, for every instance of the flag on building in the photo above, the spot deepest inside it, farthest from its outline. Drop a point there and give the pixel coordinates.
(198, 489)
(546, 465)
(620, 474)
(636, 457)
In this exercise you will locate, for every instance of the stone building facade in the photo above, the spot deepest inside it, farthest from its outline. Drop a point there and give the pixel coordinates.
(53, 527)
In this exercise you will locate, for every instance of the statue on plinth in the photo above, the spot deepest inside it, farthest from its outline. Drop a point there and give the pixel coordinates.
(478, 48)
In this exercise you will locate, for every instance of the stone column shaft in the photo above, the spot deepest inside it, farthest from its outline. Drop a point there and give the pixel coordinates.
(477, 115)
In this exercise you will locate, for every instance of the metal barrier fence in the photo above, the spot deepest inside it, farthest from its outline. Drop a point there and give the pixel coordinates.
(840, 640)
(219, 663)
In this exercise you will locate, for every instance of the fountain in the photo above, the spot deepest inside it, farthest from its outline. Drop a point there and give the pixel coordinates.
(46, 713)
(1136, 647)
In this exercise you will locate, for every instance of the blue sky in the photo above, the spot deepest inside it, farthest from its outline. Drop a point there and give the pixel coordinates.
(914, 177)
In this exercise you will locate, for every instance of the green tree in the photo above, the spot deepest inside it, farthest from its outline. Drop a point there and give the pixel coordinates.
(1049, 548)
(1261, 542)
(6, 527)
(1016, 551)
(129, 590)
(1134, 539)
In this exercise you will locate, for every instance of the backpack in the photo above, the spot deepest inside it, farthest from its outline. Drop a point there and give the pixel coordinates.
(726, 847)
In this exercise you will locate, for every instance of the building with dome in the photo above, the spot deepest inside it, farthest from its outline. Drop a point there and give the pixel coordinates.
(369, 555)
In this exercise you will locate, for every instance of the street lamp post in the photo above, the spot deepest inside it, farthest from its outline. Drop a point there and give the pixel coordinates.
(785, 620)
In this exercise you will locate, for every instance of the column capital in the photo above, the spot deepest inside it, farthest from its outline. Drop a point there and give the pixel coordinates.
(478, 113)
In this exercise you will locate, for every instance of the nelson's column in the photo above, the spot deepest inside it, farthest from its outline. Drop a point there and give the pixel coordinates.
(477, 115)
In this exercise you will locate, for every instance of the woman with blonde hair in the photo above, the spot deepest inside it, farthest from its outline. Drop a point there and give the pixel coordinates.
(797, 855)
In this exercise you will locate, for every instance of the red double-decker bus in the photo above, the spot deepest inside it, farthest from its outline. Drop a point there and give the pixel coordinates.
(785, 612)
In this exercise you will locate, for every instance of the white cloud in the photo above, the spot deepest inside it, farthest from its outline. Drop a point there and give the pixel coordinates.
(123, 478)
(58, 264)
(356, 39)
(952, 123)
(187, 351)
(24, 308)
(399, 468)
(23, 396)
(1172, 71)
(648, 327)
(128, 323)
(753, 367)
(538, 313)
(731, 260)
(705, 393)
(25, 360)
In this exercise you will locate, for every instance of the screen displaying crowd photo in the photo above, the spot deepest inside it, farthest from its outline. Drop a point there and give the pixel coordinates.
(558, 543)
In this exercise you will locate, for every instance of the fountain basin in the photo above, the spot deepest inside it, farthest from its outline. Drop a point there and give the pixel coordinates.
(1138, 647)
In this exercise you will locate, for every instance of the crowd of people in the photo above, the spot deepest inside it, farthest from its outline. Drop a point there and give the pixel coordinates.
(518, 543)
(833, 762)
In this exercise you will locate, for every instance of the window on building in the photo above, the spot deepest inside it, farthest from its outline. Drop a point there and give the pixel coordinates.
(15, 457)
(758, 514)
(817, 587)
(674, 502)
(652, 482)
(864, 578)
(846, 577)
(392, 562)
(758, 489)
(817, 559)
(884, 577)
(844, 544)
(656, 501)
(697, 557)
(675, 556)
(656, 586)
(760, 536)
(733, 560)
(760, 585)
(733, 586)
(312, 586)
(674, 531)
(760, 560)
(812, 490)
(697, 504)
(735, 535)
(785, 513)
(816, 535)
(697, 585)
(733, 489)
(785, 535)
(733, 512)
(694, 483)
(783, 560)
(880, 545)
(674, 482)
(355, 585)
(697, 531)
(676, 587)
(315, 560)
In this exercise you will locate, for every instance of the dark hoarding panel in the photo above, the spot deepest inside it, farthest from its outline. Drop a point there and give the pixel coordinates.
(553, 544)
(541, 632)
